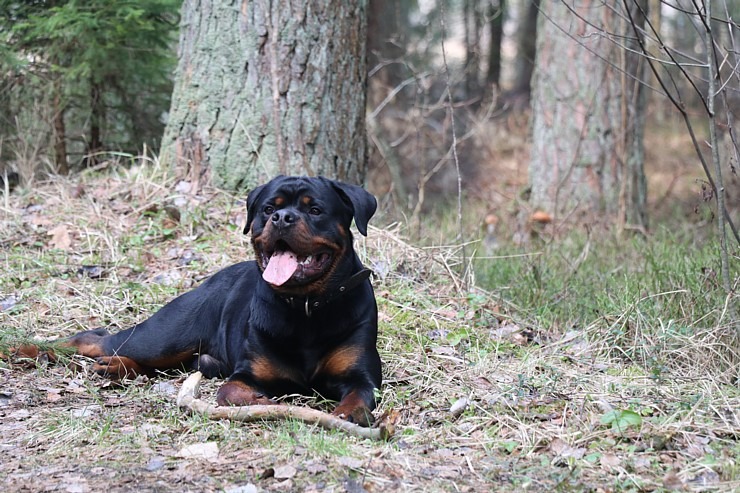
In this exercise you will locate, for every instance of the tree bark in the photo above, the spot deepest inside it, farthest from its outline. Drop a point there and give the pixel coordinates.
(526, 47)
(97, 117)
(60, 132)
(633, 194)
(387, 38)
(587, 119)
(269, 87)
(496, 25)
(472, 47)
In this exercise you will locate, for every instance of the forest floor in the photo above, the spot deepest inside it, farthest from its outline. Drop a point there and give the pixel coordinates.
(487, 398)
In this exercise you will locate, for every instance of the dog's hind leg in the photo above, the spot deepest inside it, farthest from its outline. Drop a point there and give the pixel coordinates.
(92, 343)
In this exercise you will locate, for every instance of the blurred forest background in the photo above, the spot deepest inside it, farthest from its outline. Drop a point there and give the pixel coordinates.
(89, 83)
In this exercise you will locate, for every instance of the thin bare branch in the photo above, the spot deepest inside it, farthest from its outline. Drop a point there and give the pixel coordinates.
(466, 276)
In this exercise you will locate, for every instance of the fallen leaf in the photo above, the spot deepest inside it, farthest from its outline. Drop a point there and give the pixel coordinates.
(315, 467)
(445, 350)
(459, 406)
(155, 463)
(483, 383)
(641, 463)
(444, 452)
(168, 278)
(60, 238)
(671, 481)
(74, 484)
(20, 414)
(353, 486)
(37, 220)
(76, 386)
(246, 488)
(706, 480)
(561, 448)
(151, 430)
(87, 411)
(53, 396)
(183, 187)
(350, 462)
(609, 461)
(208, 450)
(284, 472)
(445, 313)
(78, 191)
(505, 331)
(164, 388)
(8, 302)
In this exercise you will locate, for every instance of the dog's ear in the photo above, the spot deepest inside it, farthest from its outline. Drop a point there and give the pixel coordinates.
(253, 200)
(362, 203)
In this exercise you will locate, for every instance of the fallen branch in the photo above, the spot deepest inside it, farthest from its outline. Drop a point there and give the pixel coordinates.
(187, 398)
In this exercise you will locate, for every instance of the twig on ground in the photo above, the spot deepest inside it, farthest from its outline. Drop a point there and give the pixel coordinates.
(186, 398)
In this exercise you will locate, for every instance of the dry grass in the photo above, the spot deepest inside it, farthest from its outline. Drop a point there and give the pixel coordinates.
(488, 399)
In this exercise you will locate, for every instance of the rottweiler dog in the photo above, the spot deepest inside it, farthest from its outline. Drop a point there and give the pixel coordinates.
(299, 318)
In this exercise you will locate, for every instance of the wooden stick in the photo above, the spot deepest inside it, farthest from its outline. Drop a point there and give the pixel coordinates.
(187, 398)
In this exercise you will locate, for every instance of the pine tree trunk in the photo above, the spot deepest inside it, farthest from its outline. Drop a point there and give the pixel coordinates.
(269, 87)
(633, 195)
(496, 24)
(587, 120)
(97, 117)
(526, 47)
(387, 34)
(472, 47)
(60, 132)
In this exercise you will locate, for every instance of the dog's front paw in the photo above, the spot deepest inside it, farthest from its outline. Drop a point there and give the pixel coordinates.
(237, 393)
(360, 415)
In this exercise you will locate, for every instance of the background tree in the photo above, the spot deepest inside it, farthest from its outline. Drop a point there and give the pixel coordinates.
(587, 115)
(473, 23)
(388, 29)
(526, 37)
(496, 11)
(273, 87)
(101, 66)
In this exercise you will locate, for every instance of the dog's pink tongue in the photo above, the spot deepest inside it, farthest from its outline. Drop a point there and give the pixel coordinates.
(280, 268)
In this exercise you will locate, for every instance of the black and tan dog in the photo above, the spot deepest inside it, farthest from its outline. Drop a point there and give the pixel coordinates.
(300, 318)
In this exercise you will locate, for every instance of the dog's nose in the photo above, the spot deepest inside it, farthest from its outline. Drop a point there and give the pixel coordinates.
(283, 218)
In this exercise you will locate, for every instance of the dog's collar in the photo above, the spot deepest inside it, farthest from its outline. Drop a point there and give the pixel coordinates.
(310, 304)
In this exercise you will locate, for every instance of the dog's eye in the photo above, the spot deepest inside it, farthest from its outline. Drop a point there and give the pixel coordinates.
(314, 211)
(269, 209)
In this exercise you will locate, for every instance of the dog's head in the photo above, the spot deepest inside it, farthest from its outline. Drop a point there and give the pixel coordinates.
(300, 229)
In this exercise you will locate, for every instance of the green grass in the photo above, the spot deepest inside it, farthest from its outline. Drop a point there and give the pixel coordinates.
(571, 282)
(656, 301)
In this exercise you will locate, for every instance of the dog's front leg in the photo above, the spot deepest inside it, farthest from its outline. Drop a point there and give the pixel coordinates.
(237, 392)
(356, 407)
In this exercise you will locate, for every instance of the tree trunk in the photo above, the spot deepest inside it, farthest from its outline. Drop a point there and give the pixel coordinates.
(264, 88)
(587, 119)
(472, 47)
(387, 38)
(633, 194)
(60, 132)
(496, 24)
(97, 117)
(526, 47)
